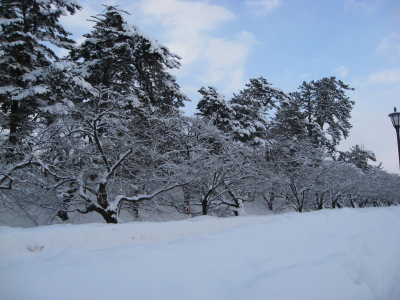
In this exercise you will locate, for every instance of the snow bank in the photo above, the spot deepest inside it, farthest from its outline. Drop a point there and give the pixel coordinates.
(18, 244)
(329, 254)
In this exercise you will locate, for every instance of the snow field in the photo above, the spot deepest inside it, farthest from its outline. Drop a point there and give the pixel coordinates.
(329, 254)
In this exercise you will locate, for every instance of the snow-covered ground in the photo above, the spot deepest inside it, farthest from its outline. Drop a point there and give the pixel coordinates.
(329, 254)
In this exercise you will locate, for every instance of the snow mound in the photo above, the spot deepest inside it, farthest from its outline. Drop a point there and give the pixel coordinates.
(328, 254)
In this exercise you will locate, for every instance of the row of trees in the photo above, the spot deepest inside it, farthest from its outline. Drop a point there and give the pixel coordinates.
(101, 131)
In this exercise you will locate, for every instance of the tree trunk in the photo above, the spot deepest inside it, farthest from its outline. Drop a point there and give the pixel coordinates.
(102, 197)
(271, 201)
(320, 201)
(376, 203)
(14, 120)
(204, 206)
(237, 204)
(110, 216)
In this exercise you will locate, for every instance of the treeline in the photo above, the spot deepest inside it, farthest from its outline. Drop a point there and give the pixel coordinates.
(101, 131)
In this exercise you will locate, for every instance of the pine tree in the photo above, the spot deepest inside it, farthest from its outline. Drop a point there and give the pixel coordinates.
(289, 121)
(325, 103)
(213, 107)
(120, 60)
(359, 156)
(26, 62)
(251, 107)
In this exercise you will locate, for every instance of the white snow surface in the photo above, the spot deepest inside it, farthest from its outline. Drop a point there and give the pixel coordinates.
(330, 254)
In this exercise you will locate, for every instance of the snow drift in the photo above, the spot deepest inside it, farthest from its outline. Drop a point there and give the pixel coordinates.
(329, 254)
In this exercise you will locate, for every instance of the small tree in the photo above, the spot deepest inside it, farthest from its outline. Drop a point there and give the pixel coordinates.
(359, 156)
(297, 166)
(219, 169)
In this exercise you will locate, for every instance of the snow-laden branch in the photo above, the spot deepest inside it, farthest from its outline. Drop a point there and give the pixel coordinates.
(5, 174)
(144, 197)
(115, 166)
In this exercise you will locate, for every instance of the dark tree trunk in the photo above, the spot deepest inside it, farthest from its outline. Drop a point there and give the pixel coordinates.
(270, 201)
(204, 207)
(237, 204)
(110, 216)
(320, 201)
(102, 197)
(14, 120)
(63, 215)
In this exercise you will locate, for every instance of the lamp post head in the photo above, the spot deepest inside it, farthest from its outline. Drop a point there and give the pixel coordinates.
(395, 117)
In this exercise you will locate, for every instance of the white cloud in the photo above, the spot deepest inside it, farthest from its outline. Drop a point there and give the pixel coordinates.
(342, 71)
(388, 76)
(390, 46)
(262, 7)
(80, 19)
(188, 28)
(227, 59)
(186, 25)
(185, 16)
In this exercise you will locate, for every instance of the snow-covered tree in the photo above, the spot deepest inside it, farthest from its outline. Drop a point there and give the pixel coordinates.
(325, 103)
(220, 169)
(213, 107)
(358, 156)
(377, 188)
(100, 160)
(118, 58)
(26, 61)
(251, 107)
(335, 185)
(289, 121)
(108, 142)
(294, 169)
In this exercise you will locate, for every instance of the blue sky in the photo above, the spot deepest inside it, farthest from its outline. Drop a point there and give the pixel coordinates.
(224, 43)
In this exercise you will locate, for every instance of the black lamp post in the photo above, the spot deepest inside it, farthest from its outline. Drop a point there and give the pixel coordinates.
(395, 117)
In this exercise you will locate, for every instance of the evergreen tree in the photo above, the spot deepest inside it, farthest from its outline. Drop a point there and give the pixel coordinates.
(26, 62)
(325, 103)
(120, 60)
(213, 107)
(289, 121)
(359, 156)
(251, 107)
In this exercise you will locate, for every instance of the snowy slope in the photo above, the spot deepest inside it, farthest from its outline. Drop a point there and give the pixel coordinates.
(330, 254)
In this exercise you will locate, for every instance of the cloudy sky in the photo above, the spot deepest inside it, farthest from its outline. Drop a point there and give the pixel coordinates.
(224, 43)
